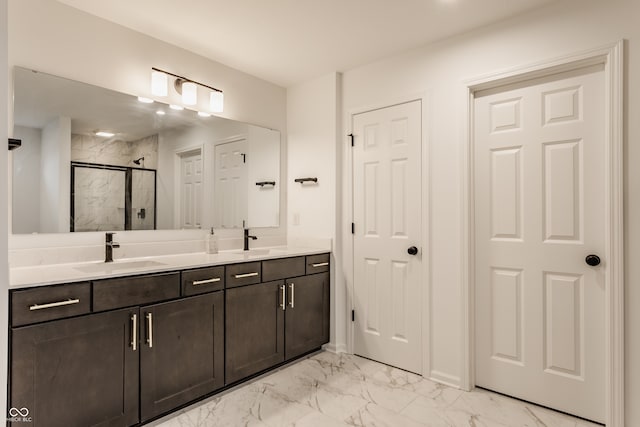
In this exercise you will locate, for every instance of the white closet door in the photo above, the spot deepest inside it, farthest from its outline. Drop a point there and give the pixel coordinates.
(539, 212)
(191, 190)
(387, 216)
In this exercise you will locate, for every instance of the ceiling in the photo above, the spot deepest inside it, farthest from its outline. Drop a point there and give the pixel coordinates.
(291, 41)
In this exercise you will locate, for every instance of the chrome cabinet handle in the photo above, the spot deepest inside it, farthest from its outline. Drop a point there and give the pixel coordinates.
(242, 276)
(149, 330)
(70, 301)
(292, 288)
(283, 305)
(134, 332)
(204, 282)
(320, 264)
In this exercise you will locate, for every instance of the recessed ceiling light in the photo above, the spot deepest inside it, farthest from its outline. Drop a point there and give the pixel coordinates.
(203, 114)
(104, 134)
(176, 107)
(145, 100)
(160, 113)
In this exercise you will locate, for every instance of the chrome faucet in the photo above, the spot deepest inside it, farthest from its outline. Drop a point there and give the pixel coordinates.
(246, 239)
(109, 245)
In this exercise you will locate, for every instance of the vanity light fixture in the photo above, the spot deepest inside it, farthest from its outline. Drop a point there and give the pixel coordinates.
(104, 134)
(216, 101)
(159, 82)
(203, 114)
(145, 100)
(176, 107)
(187, 88)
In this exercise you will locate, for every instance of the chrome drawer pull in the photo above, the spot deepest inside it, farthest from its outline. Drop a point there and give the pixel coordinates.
(134, 332)
(204, 282)
(242, 276)
(149, 330)
(292, 288)
(54, 304)
(284, 302)
(320, 264)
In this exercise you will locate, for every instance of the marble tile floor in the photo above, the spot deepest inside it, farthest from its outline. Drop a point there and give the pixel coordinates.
(335, 390)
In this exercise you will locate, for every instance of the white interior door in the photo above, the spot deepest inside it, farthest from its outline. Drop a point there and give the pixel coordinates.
(230, 201)
(539, 212)
(387, 217)
(191, 190)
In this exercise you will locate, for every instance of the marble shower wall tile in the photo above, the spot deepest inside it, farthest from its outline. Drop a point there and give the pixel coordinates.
(142, 200)
(116, 152)
(98, 199)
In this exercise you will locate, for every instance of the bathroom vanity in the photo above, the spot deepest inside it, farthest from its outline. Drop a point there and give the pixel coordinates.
(121, 347)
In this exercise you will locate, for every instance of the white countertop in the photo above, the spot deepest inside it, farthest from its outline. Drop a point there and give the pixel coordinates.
(51, 274)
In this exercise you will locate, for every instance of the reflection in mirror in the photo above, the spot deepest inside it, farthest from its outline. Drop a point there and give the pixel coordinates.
(93, 160)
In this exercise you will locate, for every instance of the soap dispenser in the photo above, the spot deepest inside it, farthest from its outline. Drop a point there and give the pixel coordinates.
(211, 243)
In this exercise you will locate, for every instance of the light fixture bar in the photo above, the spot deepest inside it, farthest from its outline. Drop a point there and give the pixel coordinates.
(186, 79)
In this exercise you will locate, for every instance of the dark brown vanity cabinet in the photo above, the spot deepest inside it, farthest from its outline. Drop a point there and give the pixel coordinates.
(122, 351)
(255, 329)
(181, 353)
(307, 314)
(268, 323)
(79, 372)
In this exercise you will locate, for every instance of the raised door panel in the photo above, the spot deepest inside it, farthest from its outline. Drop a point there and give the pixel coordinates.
(182, 353)
(307, 314)
(77, 372)
(255, 329)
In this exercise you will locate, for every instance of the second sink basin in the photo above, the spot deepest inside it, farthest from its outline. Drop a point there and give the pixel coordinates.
(110, 267)
(257, 252)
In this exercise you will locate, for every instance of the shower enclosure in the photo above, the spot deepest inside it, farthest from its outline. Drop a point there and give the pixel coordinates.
(112, 198)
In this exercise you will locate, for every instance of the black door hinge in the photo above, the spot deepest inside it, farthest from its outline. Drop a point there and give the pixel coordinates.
(353, 315)
(351, 136)
(353, 228)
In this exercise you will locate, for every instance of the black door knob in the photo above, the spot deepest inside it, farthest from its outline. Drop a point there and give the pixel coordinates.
(412, 250)
(592, 260)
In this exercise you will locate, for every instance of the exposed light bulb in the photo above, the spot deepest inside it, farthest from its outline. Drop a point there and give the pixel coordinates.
(159, 82)
(216, 103)
(189, 93)
(145, 100)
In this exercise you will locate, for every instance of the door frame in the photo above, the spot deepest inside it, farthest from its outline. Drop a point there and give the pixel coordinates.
(348, 240)
(611, 56)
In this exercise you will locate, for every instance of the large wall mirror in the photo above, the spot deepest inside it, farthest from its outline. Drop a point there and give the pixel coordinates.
(93, 159)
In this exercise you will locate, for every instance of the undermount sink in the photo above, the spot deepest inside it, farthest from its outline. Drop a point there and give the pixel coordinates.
(258, 252)
(110, 267)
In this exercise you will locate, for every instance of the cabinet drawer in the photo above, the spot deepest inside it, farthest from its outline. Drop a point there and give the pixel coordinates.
(127, 291)
(202, 280)
(49, 303)
(317, 263)
(275, 269)
(247, 273)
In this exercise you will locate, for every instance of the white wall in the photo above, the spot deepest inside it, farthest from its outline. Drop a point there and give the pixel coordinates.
(26, 180)
(55, 181)
(4, 209)
(314, 125)
(441, 69)
(51, 37)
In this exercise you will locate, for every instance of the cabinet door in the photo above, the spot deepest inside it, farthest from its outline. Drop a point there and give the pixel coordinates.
(255, 329)
(77, 372)
(307, 314)
(182, 352)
